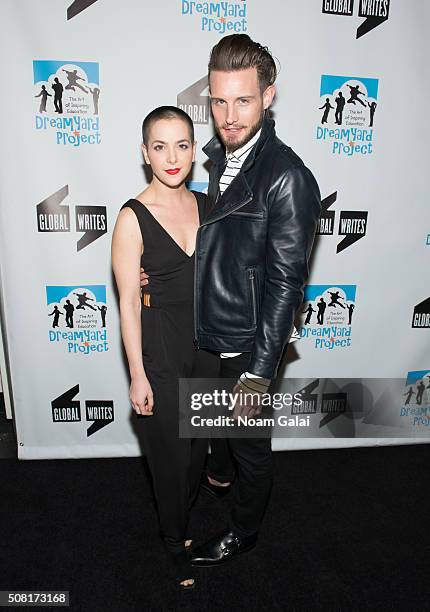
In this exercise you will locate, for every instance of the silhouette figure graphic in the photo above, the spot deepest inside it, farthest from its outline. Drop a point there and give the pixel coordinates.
(408, 395)
(372, 107)
(83, 300)
(69, 308)
(322, 305)
(420, 390)
(56, 312)
(43, 95)
(73, 78)
(309, 310)
(96, 95)
(103, 314)
(327, 106)
(340, 104)
(350, 308)
(354, 93)
(335, 297)
(58, 99)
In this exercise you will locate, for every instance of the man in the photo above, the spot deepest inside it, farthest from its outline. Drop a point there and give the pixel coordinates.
(252, 253)
(340, 105)
(58, 99)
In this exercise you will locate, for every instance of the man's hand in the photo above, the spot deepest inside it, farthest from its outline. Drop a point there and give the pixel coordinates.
(144, 278)
(250, 389)
(248, 402)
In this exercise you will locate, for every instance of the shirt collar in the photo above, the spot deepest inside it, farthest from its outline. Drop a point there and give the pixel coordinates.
(242, 153)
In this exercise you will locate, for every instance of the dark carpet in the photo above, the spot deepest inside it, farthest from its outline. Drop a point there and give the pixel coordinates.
(344, 530)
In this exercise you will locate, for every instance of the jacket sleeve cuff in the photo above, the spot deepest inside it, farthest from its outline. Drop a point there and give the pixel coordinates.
(262, 368)
(254, 383)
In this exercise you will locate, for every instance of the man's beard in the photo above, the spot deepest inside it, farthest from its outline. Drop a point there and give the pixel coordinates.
(246, 138)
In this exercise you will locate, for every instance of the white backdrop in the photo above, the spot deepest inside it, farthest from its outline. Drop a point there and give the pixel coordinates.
(64, 176)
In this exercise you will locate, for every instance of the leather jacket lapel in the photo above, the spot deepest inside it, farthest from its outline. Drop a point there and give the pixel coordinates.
(237, 195)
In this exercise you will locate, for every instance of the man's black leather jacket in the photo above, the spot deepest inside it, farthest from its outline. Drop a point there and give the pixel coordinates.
(252, 252)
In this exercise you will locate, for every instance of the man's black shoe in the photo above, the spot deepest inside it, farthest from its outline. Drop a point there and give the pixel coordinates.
(221, 548)
(214, 490)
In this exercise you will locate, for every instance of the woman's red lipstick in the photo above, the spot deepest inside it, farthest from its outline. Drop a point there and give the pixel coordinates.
(173, 171)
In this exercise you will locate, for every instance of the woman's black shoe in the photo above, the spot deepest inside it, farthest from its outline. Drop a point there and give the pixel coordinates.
(182, 569)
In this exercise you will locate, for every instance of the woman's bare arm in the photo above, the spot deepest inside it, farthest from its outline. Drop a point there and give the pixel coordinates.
(126, 253)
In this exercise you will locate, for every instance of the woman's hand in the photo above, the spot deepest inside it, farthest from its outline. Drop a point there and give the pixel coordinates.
(141, 396)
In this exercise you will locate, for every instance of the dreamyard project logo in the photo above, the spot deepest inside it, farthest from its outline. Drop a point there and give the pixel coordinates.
(229, 17)
(328, 311)
(77, 318)
(416, 398)
(346, 114)
(67, 101)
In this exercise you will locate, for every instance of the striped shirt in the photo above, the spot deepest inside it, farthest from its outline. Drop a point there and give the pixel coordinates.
(235, 161)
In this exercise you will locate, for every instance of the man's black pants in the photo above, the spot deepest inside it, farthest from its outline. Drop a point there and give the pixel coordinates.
(247, 461)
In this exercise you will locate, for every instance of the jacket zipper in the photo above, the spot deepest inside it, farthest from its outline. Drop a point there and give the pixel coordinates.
(196, 260)
(251, 277)
(255, 215)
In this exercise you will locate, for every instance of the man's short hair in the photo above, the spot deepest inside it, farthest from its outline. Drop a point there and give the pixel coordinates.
(166, 112)
(239, 52)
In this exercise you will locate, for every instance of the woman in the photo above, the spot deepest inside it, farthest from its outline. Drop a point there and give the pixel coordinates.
(157, 230)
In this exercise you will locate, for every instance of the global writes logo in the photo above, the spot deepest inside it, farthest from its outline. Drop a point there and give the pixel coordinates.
(222, 17)
(352, 223)
(77, 7)
(194, 100)
(329, 312)
(67, 98)
(78, 318)
(375, 12)
(347, 110)
(53, 216)
(421, 316)
(332, 404)
(67, 409)
(416, 398)
(338, 7)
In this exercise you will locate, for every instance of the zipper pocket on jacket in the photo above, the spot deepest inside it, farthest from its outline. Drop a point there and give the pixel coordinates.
(253, 295)
(250, 215)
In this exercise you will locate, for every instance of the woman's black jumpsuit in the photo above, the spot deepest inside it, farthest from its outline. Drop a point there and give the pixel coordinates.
(167, 317)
